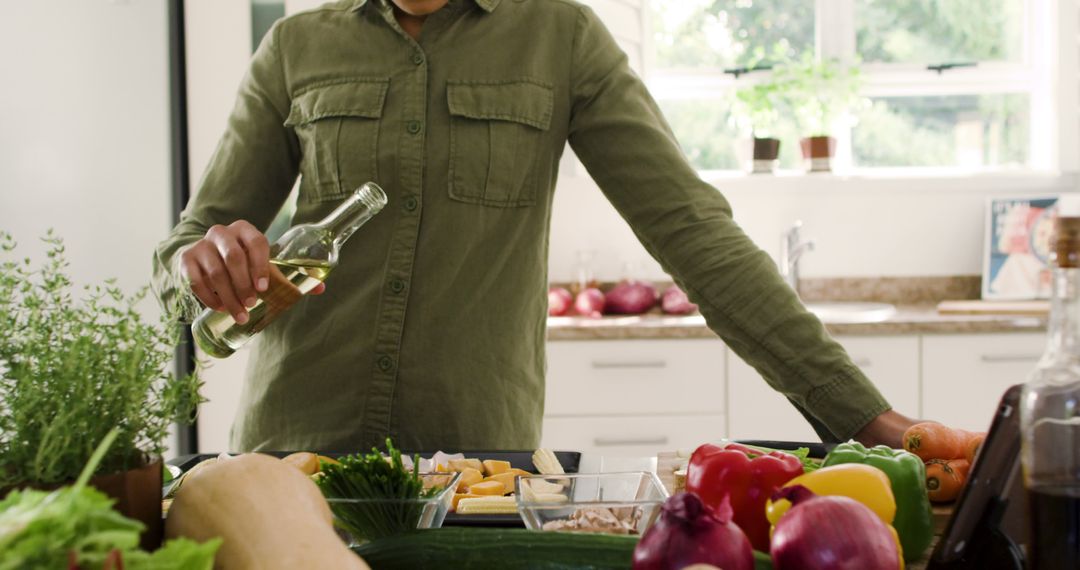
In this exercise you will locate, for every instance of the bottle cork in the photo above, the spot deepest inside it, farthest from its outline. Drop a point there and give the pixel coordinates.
(1067, 242)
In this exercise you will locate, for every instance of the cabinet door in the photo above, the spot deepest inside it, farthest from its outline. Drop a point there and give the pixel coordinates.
(756, 411)
(632, 436)
(644, 377)
(964, 376)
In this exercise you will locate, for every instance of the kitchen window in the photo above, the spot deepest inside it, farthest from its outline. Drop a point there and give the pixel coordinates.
(947, 86)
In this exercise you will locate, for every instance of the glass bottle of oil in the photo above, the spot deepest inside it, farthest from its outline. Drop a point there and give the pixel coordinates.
(1050, 412)
(299, 260)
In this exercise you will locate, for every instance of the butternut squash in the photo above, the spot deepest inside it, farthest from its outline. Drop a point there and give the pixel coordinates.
(306, 462)
(506, 479)
(469, 476)
(270, 515)
(494, 467)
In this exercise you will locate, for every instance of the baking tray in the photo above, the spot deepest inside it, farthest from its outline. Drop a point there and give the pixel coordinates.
(818, 450)
(570, 461)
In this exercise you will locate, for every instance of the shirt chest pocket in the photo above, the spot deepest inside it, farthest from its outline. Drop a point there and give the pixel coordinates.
(338, 128)
(497, 132)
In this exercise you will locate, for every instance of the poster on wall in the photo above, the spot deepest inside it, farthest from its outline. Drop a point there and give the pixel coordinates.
(1016, 265)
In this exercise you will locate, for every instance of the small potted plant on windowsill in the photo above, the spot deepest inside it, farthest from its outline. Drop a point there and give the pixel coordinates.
(756, 109)
(71, 370)
(822, 96)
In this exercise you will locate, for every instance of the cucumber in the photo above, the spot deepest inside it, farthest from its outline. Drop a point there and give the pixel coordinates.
(464, 548)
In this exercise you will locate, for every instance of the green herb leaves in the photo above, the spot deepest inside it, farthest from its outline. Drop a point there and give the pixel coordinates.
(373, 496)
(71, 370)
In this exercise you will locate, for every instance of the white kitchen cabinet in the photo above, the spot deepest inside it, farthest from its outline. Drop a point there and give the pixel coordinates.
(634, 397)
(756, 411)
(635, 377)
(964, 376)
(633, 436)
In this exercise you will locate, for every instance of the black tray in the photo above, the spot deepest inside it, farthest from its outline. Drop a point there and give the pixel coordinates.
(570, 461)
(818, 450)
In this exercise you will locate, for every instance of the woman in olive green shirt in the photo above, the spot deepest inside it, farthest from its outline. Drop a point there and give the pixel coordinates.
(432, 328)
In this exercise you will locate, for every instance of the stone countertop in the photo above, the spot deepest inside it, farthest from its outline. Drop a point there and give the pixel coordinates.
(909, 319)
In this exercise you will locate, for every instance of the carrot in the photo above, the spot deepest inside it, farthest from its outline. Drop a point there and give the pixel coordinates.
(971, 447)
(945, 479)
(931, 440)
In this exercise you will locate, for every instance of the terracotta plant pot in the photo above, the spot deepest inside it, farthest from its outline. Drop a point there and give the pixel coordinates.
(137, 493)
(818, 152)
(766, 151)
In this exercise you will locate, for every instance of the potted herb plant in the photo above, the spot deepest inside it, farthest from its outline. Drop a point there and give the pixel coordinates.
(821, 94)
(73, 369)
(757, 110)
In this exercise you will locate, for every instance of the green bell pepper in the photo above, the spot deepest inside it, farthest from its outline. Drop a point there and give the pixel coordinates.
(914, 521)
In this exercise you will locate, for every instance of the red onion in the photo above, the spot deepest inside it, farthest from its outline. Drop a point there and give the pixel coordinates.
(689, 532)
(675, 302)
(590, 303)
(631, 297)
(831, 532)
(559, 301)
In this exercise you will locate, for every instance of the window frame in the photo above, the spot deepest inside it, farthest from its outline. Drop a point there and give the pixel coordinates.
(1048, 71)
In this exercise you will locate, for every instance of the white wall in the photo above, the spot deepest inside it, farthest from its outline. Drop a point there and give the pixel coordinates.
(218, 51)
(861, 227)
(84, 131)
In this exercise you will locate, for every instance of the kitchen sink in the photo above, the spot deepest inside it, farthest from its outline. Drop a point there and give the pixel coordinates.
(851, 313)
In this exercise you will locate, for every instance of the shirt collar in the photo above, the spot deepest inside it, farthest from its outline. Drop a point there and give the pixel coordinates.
(486, 5)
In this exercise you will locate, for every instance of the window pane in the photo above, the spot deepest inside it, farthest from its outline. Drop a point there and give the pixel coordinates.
(729, 33)
(939, 31)
(711, 141)
(970, 131)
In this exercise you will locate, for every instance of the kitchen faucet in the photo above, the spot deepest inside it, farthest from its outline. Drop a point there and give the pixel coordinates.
(792, 248)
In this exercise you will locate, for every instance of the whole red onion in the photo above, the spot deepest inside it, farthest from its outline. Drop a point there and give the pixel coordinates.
(690, 532)
(559, 301)
(590, 303)
(631, 297)
(822, 532)
(675, 302)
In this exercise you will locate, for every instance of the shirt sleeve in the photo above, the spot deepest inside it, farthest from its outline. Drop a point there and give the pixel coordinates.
(619, 134)
(248, 178)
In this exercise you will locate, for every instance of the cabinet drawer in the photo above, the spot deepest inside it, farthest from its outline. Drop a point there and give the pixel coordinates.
(964, 376)
(639, 436)
(759, 412)
(635, 377)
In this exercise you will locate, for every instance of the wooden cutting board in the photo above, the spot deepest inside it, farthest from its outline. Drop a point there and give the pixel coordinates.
(1009, 308)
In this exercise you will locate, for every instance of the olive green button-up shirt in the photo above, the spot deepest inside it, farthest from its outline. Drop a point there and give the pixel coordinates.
(432, 327)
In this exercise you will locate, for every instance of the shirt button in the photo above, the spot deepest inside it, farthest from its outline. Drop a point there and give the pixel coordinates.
(397, 285)
(418, 58)
(411, 203)
(385, 363)
(413, 127)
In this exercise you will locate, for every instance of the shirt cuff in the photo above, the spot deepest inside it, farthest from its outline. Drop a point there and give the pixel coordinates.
(847, 404)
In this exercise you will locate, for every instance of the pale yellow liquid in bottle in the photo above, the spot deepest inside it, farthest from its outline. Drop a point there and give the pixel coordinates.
(218, 334)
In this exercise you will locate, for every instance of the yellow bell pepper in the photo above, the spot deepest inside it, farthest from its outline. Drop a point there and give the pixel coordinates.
(868, 485)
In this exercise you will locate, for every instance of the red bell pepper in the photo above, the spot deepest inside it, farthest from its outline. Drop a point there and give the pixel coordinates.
(747, 476)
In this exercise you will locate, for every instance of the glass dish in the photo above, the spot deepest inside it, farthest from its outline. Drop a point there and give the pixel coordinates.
(362, 520)
(611, 503)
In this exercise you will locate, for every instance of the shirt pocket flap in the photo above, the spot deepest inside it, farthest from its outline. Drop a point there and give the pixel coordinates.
(525, 102)
(352, 98)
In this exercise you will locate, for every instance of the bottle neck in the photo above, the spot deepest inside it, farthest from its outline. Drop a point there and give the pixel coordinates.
(354, 212)
(1064, 326)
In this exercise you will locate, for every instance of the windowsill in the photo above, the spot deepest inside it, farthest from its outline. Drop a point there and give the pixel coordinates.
(898, 179)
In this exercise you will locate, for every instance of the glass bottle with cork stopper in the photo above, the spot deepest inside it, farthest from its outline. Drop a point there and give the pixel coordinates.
(1050, 410)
